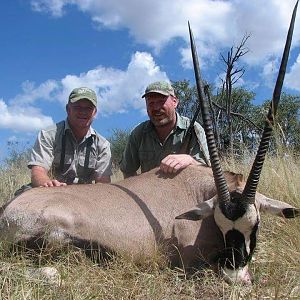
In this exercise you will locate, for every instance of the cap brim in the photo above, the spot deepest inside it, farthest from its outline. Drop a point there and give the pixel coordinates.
(156, 92)
(75, 99)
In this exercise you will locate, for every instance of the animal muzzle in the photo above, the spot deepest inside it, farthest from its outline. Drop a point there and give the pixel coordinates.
(235, 254)
(237, 276)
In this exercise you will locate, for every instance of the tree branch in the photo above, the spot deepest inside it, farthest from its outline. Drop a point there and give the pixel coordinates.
(238, 115)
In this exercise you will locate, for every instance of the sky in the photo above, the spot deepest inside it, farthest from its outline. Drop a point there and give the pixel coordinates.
(118, 47)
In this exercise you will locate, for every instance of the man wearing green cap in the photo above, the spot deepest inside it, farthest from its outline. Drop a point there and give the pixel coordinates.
(72, 151)
(158, 141)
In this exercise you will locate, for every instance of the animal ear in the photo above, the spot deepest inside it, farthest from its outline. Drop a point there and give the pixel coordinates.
(200, 212)
(278, 208)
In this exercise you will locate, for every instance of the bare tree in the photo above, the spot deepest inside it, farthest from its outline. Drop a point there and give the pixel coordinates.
(233, 74)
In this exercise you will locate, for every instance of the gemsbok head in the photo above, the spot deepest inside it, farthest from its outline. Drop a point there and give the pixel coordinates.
(237, 213)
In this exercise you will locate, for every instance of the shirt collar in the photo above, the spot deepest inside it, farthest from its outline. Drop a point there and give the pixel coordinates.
(91, 131)
(180, 123)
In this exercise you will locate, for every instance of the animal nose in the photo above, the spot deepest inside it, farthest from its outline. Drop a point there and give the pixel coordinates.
(240, 275)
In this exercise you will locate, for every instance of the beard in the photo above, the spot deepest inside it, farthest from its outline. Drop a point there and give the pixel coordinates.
(160, 119)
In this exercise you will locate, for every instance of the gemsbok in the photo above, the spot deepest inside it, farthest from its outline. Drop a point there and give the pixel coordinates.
(140, 214)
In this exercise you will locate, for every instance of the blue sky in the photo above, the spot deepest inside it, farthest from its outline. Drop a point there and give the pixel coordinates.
(117, 47)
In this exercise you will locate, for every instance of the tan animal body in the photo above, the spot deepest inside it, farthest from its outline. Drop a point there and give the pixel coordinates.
(137, 215)
(132, 216)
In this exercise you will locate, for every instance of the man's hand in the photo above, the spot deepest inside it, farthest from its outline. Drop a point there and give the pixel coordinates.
(175, 162)
(53, 182)
(39, 177)
(103, 179)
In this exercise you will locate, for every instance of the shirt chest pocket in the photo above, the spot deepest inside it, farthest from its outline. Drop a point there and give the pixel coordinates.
(91, 161)
(67, 158)
(148, 160)
(147, 156)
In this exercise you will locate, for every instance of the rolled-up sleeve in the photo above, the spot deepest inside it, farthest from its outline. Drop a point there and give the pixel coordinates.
(104, 160)
(200, 152)
(130, 162)
(42, 153)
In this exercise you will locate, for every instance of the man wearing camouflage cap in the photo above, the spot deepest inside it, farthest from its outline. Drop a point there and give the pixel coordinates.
(158, 141)
(71, 151)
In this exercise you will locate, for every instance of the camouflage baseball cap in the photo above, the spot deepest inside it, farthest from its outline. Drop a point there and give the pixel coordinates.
(83, 93)
(160, 87)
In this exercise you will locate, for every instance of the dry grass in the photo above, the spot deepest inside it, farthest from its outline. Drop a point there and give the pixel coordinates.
(275, 266)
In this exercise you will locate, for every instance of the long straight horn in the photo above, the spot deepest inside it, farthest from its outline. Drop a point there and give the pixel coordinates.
(253, 179)
(220, 182)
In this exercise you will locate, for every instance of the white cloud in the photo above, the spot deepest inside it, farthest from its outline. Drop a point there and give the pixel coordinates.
(126, 88)
(292, 78)
(118, 91)
(216, 23)
(22, 119)
(54, 7)
(269, 72)
(31, 93)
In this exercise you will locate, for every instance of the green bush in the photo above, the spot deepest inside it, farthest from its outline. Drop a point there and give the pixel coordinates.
(118, 142)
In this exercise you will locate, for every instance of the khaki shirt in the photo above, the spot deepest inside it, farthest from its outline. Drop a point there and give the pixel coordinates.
(145, 150)
(47, 152)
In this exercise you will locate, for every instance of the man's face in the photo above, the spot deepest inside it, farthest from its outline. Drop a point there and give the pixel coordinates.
(161, 109)
(81, 113)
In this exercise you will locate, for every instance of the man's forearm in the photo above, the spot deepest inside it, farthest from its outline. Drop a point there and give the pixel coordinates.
(38, 176)
(39, 180)
(42, 179)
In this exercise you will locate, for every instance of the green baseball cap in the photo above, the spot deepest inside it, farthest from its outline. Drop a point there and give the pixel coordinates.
(83, 93)
(160, 87)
